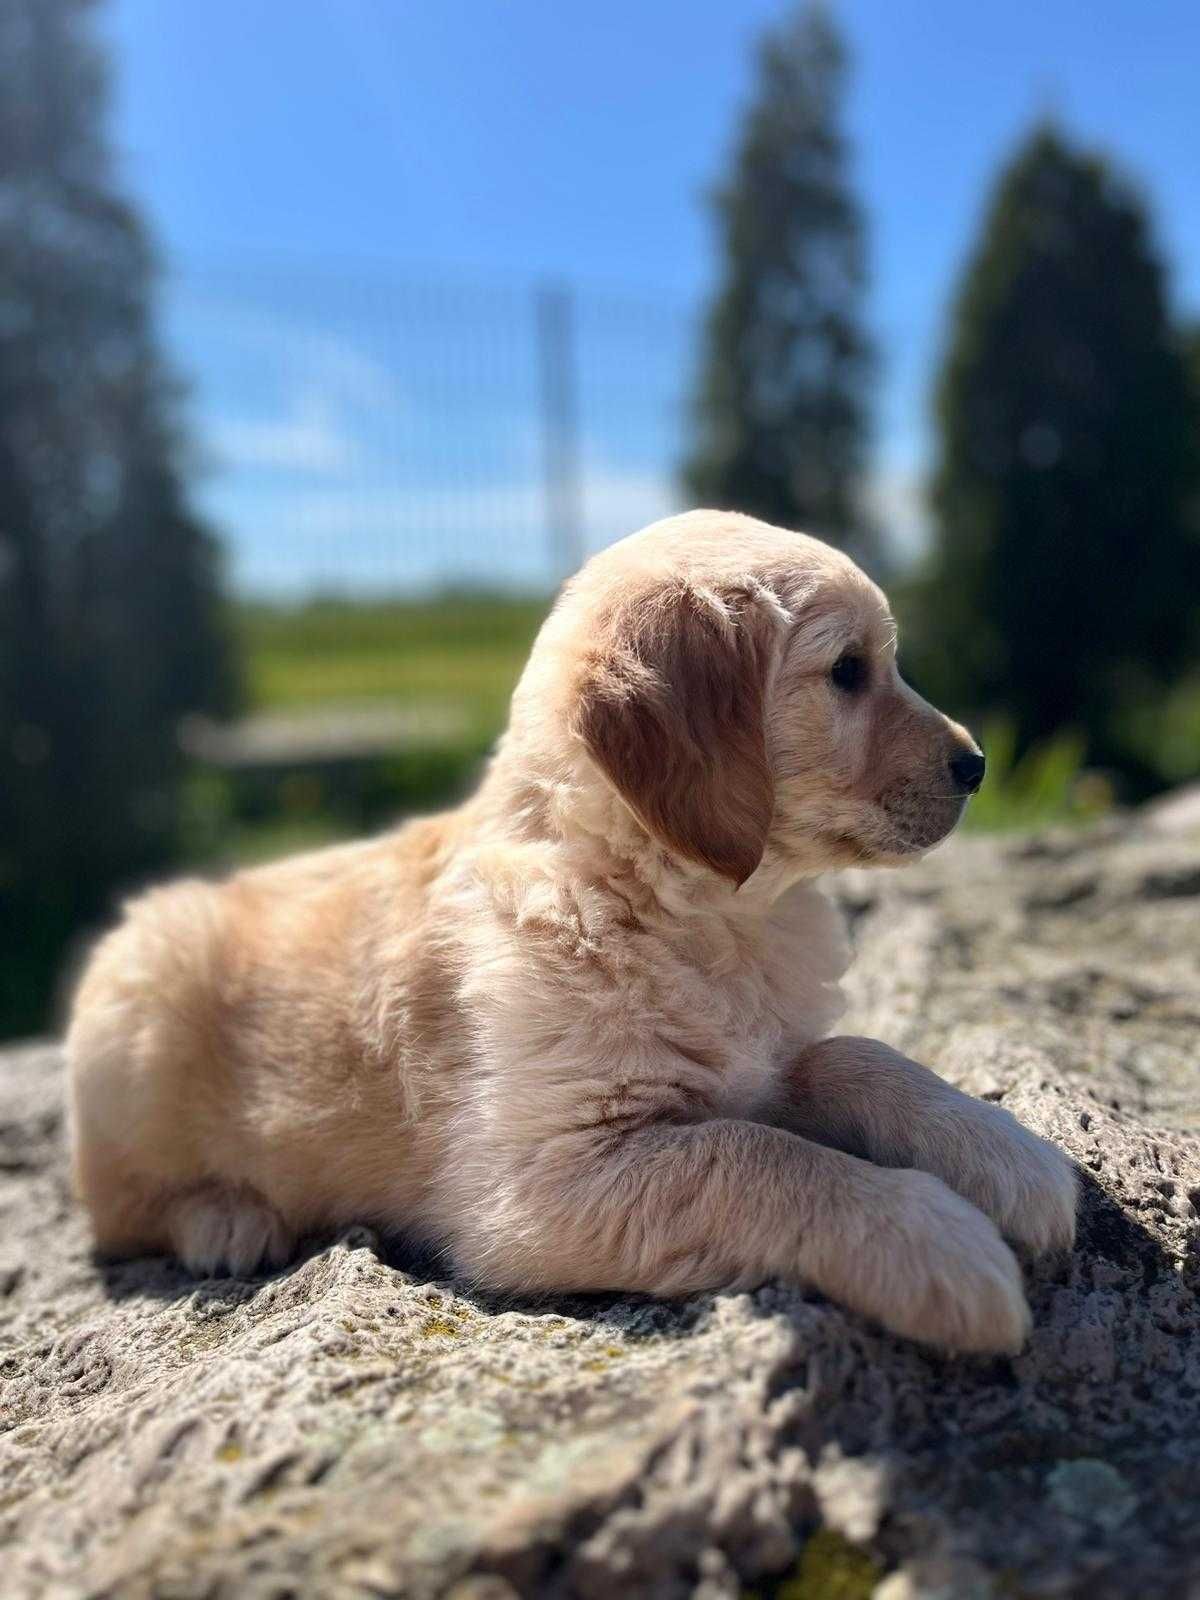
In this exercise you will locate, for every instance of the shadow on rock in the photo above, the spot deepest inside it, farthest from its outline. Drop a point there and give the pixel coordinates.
(635, 1316)
(1108, 1231)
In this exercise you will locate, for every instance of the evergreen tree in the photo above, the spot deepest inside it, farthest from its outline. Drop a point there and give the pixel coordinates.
(109, 606)
(1065, 574)
(781, 412)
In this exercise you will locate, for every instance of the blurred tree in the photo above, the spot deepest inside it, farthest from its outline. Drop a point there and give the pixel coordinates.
(1065, 574)
(782, 406)
(110, 620)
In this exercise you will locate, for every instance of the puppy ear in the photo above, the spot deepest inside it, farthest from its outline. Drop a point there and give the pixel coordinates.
(672, 711)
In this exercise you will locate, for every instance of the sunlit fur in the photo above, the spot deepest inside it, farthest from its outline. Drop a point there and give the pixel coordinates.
(575, 1032)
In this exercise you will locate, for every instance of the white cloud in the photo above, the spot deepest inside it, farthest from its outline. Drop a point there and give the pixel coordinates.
(307, 440)
(614, 503)
(337, 366)
(356, 537)
(896, 500)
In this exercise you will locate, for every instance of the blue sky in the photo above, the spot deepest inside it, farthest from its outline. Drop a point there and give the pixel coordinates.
(330, 179)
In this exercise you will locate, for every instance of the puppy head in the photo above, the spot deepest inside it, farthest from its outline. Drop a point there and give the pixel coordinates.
(737, 686)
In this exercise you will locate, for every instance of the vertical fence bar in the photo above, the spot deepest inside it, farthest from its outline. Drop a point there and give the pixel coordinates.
(560, 428)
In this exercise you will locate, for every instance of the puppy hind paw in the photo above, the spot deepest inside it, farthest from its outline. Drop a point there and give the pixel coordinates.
(215, 1229)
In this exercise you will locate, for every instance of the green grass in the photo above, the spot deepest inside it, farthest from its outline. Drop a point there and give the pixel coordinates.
(462, 652)
(1048, 784)
(1165, 734)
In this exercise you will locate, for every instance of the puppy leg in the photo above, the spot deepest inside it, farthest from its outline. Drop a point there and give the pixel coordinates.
(862, 1096)
(214, 1228)
(671, 1209)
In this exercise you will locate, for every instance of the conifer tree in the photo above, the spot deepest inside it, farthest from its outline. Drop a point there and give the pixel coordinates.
(110, 621)
(1065, 574)
(781, 412)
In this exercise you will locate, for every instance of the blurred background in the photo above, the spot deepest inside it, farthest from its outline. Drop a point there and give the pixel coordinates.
(334, 335)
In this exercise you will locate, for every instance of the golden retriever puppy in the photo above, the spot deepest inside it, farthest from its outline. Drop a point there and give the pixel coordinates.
(576, 1033)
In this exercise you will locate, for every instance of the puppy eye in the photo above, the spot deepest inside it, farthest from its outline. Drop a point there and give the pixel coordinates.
(849, 672)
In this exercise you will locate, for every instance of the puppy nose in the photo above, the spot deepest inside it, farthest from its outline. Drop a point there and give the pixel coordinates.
(967, 771)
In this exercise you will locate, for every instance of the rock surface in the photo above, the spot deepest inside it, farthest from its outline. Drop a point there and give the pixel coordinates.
(354, 1426)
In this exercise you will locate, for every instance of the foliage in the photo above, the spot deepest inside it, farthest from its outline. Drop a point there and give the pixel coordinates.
(1047, 784)
(109, 620)
(782, 403)
(1165, 734)
(1066, 569)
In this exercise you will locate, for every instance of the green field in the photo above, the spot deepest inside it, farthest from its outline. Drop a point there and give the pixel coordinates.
(452, 660)
(464, 652)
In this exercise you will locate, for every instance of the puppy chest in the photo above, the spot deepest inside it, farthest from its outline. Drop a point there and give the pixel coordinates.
(751, 1080)
(729, 1047)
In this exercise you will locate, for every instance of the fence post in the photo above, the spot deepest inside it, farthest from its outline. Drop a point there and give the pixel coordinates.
(560, 428)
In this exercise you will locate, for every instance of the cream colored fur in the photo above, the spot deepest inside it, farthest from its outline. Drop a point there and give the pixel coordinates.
(576, 1032)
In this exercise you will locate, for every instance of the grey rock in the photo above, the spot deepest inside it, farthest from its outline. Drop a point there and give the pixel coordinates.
(357, 1426)
(1091, 1491)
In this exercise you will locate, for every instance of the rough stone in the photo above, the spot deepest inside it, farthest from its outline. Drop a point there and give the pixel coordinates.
(356, 1426)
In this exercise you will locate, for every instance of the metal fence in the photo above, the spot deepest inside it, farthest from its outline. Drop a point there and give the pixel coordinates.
(362, 432)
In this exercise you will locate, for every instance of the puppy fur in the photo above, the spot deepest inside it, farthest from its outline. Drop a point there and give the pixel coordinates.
(576, 1033)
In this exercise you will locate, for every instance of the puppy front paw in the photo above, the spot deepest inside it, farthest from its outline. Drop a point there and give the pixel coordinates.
(936, 1270)
(1026, 1185)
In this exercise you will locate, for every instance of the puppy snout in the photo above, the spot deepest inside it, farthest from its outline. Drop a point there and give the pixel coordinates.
(966, 771)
